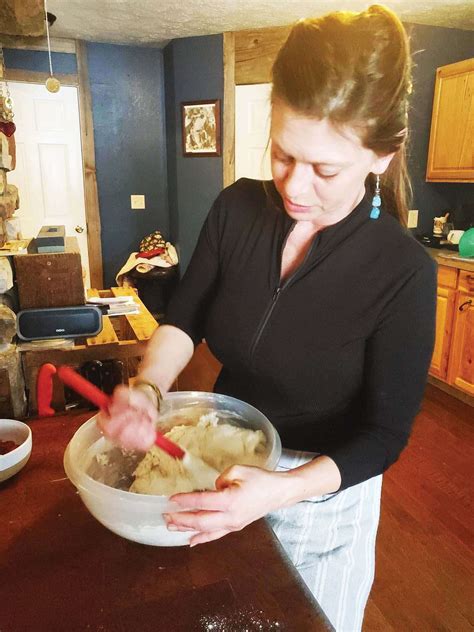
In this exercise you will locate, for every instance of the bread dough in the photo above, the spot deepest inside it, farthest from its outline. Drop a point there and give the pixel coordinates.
(211, 448)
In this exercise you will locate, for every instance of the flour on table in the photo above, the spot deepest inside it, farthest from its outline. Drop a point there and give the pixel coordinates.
(240, 620)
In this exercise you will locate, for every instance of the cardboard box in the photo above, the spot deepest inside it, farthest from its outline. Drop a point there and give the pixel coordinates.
(51, 239)
(50, 279)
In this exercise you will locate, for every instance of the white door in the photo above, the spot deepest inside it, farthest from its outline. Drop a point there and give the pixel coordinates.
(252, 131)
(48, 171)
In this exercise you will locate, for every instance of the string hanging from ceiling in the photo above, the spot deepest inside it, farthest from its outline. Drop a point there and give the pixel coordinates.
(52, 83)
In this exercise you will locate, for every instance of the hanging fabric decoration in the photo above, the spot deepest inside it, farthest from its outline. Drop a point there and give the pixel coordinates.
(52, 84)
(6, 105)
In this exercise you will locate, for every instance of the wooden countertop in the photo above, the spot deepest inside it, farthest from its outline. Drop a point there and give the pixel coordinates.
(62, 570)
(451, 259)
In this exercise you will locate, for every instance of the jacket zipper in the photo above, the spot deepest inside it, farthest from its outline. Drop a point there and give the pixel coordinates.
(274, 299)
(265, 319)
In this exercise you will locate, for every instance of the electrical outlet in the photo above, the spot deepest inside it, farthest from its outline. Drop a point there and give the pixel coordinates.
(137, 202)
(412, 219)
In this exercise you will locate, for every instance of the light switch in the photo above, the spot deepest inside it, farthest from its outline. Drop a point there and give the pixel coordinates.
(412, 219)
(137, 202)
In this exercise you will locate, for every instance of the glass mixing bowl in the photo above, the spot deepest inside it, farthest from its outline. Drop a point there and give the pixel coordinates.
(139, 517)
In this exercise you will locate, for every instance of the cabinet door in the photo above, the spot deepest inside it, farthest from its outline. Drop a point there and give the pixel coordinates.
(461, 364)
(444, 319)
(451, 151)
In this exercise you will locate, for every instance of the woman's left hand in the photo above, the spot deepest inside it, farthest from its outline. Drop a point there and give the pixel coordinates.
(243, 494)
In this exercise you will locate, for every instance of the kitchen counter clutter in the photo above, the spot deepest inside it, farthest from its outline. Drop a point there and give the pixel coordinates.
(66, 571)
(452, 364)
(451, 259)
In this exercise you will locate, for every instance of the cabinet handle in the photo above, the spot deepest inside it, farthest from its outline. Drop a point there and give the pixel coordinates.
(465, 304)
(470, 278)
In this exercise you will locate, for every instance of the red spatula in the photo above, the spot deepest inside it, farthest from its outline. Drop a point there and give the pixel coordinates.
(89, 391)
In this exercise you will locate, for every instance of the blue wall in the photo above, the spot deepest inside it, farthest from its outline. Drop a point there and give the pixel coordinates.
(432, 47)
(193, 71)
(127, 88)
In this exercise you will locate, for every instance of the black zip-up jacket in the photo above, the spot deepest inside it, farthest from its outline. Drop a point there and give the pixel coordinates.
(337, 354)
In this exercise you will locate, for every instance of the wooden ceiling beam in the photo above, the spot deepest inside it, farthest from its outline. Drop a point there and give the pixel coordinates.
(58, 44)
(255, 52)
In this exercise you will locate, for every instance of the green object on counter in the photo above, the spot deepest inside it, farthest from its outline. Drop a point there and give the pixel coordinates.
(466, 244)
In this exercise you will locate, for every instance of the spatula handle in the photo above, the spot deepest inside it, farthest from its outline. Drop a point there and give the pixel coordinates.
(93, 394)
(85, 388)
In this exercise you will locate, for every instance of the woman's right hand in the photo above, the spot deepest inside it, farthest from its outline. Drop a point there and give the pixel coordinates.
(130, 419)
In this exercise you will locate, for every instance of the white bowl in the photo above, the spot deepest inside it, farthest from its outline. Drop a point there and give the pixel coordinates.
(139, 517)
(13, 461)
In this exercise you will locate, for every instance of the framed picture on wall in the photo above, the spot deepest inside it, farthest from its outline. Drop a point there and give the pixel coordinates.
(201, 128)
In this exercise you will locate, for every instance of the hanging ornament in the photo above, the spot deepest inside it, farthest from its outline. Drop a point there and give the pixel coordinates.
(52, 84)
(6, 105)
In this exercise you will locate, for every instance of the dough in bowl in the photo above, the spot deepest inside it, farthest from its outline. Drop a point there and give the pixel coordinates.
(212, 446)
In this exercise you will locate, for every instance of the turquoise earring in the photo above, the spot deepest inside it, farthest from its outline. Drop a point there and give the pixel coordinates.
(376, 200)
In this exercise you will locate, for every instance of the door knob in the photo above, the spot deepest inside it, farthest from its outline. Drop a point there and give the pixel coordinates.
(79, 229)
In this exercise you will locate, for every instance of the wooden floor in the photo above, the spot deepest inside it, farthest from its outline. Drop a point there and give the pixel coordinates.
(425, 553)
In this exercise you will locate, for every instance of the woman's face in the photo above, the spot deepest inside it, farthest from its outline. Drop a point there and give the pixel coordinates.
(318, 169)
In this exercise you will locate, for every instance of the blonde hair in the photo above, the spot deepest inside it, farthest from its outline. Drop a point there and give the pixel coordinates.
(354, 69)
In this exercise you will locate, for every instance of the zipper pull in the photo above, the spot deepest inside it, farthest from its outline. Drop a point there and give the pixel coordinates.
(276, 293)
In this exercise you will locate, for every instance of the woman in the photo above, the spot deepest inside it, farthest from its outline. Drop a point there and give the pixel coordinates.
(319, 305)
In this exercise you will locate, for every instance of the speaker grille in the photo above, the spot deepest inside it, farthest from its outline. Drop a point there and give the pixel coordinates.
(59, 322)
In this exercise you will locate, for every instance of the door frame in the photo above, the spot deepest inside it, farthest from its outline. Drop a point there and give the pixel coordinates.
(248, 59)
(91, 196)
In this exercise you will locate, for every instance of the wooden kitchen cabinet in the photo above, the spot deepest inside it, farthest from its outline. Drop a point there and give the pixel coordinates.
(453, 355)
(461, 362)
(445, 300)
(451, 149)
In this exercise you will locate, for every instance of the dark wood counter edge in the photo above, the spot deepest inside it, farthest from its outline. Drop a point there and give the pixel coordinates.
(63, 565)
(450, 260)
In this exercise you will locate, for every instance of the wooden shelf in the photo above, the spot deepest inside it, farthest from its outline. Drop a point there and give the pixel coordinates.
(122, 338)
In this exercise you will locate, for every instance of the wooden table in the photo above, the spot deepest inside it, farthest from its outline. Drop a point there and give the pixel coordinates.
(62, 570)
